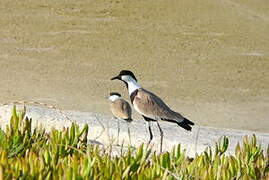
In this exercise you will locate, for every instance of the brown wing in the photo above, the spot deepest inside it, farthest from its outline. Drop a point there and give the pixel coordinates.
(121, 109)
(127, 109)
(150, 105)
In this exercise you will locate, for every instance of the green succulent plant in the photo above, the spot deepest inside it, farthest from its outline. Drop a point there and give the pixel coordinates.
(31, 153)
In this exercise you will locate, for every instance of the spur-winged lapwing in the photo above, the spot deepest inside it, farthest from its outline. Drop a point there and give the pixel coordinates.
(150, 106)
(120, 109)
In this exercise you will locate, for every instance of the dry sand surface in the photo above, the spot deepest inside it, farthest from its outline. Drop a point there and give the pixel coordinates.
(207, 59)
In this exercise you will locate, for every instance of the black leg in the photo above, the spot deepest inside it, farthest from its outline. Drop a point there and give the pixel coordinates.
(161, 133)
(150, 132)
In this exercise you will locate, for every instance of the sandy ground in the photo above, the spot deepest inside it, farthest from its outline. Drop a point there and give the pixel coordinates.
(207, 59)
(103, 130)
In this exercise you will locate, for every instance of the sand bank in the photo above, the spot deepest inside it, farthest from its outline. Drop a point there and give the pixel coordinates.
(103, 128)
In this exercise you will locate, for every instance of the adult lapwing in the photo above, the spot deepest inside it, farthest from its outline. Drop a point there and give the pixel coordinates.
(150, 106)
(120, 109)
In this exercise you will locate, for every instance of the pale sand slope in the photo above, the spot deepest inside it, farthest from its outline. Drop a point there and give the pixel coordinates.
(98, 129)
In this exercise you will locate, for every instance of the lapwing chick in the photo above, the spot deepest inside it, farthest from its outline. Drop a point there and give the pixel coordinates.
(120, 109)
(150, 106)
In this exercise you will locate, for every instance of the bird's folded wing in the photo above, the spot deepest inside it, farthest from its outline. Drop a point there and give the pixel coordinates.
(127, 109)
(150, 105)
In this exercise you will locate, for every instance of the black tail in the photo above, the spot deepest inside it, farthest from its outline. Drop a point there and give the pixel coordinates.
(186, 124)
(188, 121)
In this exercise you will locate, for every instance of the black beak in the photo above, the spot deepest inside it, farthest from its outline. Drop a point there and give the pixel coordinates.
(116, 77)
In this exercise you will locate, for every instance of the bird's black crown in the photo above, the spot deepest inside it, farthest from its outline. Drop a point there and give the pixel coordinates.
(115, 93)
(127, 72)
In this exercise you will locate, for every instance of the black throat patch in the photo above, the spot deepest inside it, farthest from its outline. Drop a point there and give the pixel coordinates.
(132, 96)
(126, 84)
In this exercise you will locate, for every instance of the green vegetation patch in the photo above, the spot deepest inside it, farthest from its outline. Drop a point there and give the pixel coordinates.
(31, 153)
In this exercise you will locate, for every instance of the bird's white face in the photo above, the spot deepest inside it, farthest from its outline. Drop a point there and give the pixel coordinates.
(113, 97)
(132, 84)
(127, 78)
